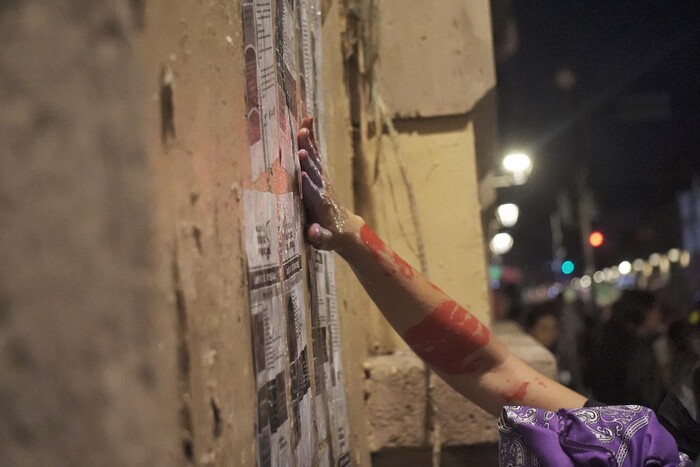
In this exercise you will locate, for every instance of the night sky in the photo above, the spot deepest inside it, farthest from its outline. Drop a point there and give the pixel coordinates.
(632, 120)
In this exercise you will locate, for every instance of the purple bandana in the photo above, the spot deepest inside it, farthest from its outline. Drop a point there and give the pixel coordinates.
(615, 436)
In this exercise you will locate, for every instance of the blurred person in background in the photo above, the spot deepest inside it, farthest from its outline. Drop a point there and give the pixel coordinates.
(623, 366)
(683, 357)
(543, 323)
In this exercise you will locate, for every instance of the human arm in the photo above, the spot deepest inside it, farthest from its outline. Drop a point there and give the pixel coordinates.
(451, 340)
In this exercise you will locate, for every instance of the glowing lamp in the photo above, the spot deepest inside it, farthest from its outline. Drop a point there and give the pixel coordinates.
(567, 267)
(507, 214)
(596, 239)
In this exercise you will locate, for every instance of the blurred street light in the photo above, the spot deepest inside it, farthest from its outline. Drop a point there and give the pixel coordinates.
(655, 259)
(595, 239)
(598, 277)
(507, 214)
(625, 267)
(638, 265)
(685, 259)
(567, 267)
(519, 166)
(501, 243)
(674, 255)
(586, 281)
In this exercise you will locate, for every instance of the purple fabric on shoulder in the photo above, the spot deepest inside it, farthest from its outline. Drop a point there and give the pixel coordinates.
(615, 436)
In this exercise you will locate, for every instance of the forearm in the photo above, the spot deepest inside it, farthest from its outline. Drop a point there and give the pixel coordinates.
(446, 336)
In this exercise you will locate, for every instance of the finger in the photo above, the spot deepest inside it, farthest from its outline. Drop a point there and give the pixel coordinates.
(313, 200)
(304, 140)
(308, 166)
(319, 237)
(308, 122)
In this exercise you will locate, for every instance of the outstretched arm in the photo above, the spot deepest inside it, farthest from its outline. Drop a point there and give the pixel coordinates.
(452, 341)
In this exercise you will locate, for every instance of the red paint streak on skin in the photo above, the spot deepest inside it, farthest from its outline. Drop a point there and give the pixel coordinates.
(447, 337)
(372, 241)
(404, 268)
(378, 249)
(519, 394)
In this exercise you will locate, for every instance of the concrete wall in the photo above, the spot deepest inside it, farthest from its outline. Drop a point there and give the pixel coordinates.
(198, 143)
(423, 83)
(353, 302)
(427, 72)
(124, 321)
(87, 348)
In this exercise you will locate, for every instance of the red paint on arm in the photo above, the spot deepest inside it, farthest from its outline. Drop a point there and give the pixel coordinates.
(447, 337)
(378, 249)
(540, 382)
(518, 395)
(372, 241)
(404, 268)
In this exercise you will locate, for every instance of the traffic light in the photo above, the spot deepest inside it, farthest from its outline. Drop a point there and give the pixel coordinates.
(596, 239)
(567, 267)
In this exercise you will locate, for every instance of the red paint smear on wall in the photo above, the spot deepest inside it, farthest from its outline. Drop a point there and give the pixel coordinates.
(372, 241)
(519, 394)
(447, 337)
(275, 180)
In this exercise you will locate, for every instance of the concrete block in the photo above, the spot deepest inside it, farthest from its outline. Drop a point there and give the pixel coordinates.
(395, 402)
(434, 57)
(397, 398)
(461, 421)
(525, 347)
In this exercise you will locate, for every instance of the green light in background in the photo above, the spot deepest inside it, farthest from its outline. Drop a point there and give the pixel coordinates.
(567, 267)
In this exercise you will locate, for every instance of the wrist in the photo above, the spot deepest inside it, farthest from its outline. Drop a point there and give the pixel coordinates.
(349, 241)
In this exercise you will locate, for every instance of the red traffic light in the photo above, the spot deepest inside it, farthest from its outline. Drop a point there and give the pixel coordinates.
(596, 239)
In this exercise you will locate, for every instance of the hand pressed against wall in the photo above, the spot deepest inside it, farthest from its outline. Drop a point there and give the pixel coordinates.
(328, 221)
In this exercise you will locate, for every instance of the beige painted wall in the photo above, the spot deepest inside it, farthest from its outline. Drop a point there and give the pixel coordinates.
(136, 273)
(438, 159)
(353, 303)
(432, 78)
(202, 169)
(194, 50)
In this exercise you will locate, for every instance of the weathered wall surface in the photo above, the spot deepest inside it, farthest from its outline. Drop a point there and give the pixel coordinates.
(198, 146)
(353, 302)
(418, 177)
(125, 330)
(434, 58)
(423, 103)
(200, 151)
(87, 354)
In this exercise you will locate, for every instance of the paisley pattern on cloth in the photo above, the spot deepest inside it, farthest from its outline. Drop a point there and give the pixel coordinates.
(615, 436)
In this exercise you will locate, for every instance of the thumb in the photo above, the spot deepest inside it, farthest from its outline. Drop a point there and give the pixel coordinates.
(320, 238)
